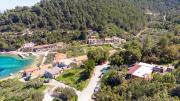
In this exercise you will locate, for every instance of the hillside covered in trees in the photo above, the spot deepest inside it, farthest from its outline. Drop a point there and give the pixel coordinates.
(74, 14)
(168, 8)
(161, 6)
(53, 21)
(79, 14)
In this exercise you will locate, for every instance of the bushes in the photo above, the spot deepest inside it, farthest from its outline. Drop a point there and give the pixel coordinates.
(117, 59)
(65, 94)
(162, 53)
(14, 90)
(177, 75)
(132, 54)
(177, 65)
(89, 67)
(114, 87)
(112, 79)
(176, 92)
(98, 55)
(37, 96)
(34, 84)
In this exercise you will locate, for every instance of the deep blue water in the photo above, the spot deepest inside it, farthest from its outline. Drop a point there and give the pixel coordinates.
(12, 64)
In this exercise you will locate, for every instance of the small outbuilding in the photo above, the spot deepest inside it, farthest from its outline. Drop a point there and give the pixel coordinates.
(51, 73)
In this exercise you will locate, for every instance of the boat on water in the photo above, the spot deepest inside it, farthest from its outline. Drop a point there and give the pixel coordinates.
(11, 74)
(21, 56)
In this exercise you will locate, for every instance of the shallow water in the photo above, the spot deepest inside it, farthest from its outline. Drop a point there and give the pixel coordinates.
(12, 64)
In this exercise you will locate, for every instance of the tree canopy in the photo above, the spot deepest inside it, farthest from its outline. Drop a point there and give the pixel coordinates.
(74, 14)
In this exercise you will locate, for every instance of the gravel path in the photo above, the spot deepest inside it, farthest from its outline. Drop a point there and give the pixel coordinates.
(44, 58)
(89, 90)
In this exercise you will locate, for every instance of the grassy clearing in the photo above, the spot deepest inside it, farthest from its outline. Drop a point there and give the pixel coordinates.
(104, 47)
(72, 51)
(75, 51)
(73, 77)
(107, 47)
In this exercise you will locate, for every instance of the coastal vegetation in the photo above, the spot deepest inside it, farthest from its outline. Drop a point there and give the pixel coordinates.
(14, 90)
(64, 94)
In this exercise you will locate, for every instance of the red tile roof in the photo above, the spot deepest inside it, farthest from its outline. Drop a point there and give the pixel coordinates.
(133, 69)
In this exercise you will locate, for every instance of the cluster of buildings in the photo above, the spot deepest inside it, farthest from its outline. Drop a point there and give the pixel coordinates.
(31, 47)
(144, 70)
(59, 65)
(93, 40)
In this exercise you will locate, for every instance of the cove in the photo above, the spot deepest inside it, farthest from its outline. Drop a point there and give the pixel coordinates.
(12, 64)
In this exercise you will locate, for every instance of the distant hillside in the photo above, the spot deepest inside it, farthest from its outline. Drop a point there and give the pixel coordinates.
(161, 6)
(80, 14)
(168, 8)
(74, 14)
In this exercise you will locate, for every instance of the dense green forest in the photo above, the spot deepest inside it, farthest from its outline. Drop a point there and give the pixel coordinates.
(168, 8)
(52, 21)
(74, 14)
(161, 6)
(79, 14)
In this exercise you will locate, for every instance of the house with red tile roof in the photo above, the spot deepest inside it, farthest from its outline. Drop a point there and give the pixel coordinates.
(144, 70)
(141, 70)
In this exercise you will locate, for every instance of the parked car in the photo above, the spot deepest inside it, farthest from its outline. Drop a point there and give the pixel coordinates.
(93, 96)
(101, 75)
(95, 91)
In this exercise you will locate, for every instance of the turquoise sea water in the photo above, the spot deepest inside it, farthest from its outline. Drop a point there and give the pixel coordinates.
(12, 64)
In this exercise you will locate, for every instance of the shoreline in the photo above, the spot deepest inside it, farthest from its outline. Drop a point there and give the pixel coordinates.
(32, 64)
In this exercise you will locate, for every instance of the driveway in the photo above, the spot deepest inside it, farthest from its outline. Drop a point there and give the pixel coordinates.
(86, 94)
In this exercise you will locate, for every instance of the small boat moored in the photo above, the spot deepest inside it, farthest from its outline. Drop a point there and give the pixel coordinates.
(11, 74)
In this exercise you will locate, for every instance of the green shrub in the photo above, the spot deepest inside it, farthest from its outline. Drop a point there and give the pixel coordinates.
(34, 84)
(65, 94)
